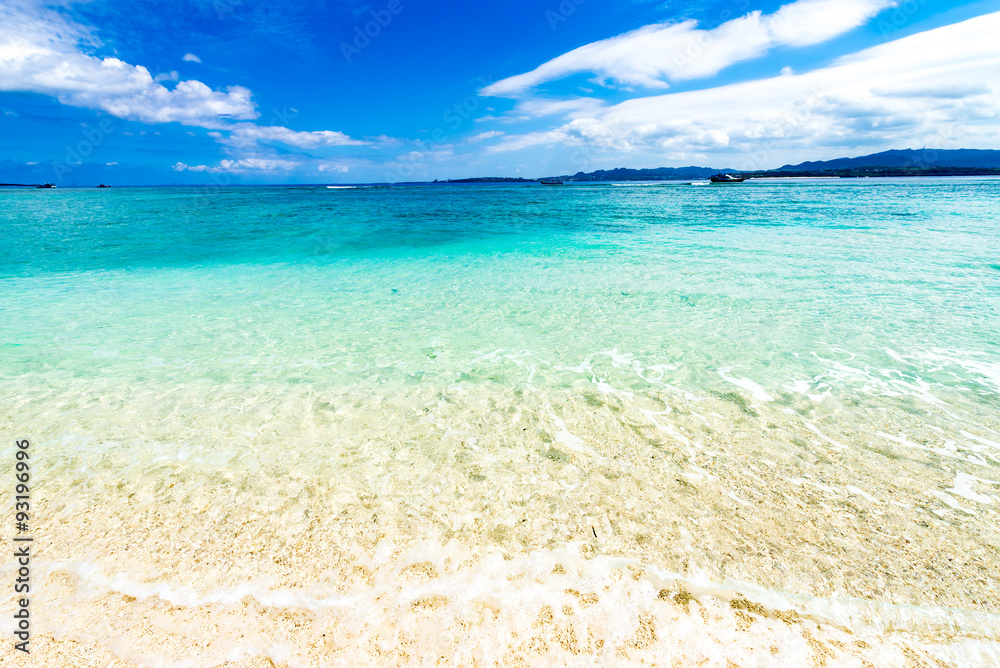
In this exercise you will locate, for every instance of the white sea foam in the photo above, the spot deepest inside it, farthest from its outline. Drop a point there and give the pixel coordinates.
(950, 501)
(813, 428)
(963, 488)
(987, 370)
(979, 439)
(755, 390)
(598, 607)
(863, 494)
(668, 428)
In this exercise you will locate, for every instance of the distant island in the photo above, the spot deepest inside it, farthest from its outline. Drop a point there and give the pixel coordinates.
(657, 174)
(489, 179)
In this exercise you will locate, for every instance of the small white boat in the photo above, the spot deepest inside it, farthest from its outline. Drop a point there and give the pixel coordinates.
(727, 178)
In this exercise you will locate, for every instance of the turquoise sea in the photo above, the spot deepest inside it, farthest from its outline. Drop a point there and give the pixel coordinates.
(610, 424)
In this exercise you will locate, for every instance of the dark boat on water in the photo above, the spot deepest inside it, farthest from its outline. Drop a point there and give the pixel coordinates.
(45, 185)
(727, 178)
(551, 182)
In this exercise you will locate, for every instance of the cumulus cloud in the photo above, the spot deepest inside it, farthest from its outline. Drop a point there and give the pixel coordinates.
(656, 54)
(938, 87)
(41, 51)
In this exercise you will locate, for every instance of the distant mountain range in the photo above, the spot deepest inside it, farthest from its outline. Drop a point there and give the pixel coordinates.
(907, 158)
(914, 162)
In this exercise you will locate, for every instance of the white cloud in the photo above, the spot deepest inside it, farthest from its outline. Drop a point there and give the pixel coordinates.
(546, 137)
(244, 165)
(247, 134)
(940, 87)
(111, 164)
(41, 51)
(483, 136)
(250, 165)
(656, 54)
(573, 107)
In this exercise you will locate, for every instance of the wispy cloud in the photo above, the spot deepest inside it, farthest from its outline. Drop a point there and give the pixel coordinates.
(483, 136)
(247, 134)
(264, 165)
(572, 107)
(654, 55)
(191, 58)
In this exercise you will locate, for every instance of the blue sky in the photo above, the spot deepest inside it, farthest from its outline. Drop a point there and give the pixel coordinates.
(244, 91)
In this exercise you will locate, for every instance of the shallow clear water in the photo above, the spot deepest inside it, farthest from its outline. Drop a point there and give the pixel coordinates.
(755, 423)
